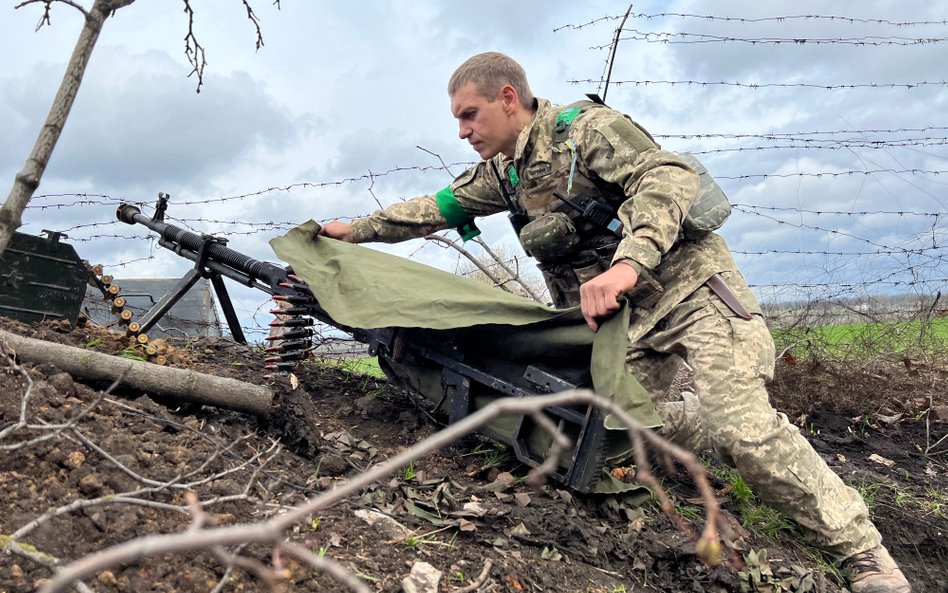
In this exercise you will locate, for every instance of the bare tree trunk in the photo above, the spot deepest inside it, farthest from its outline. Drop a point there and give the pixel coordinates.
(178, 384)
(28, 179)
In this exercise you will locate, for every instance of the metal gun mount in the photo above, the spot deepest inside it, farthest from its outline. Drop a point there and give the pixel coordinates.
(579, 467)
(211, 259)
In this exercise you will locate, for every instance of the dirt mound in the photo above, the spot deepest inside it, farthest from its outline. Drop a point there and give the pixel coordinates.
(81, 470)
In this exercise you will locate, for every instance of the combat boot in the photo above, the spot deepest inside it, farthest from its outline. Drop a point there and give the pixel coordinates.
(874, 571)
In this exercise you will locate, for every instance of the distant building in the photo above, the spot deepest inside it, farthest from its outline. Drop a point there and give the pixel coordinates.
(194, 315)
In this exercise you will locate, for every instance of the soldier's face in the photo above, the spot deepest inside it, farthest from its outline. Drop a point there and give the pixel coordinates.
(486, 124)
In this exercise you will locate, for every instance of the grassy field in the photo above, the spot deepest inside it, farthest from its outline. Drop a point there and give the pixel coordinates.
(862, 339)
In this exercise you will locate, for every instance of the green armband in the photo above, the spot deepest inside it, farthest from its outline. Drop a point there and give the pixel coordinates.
(455, 215)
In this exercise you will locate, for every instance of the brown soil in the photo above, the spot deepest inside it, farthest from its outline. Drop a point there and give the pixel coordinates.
(138, 456)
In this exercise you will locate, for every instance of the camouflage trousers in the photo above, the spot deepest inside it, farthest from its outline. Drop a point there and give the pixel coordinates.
(731, 414)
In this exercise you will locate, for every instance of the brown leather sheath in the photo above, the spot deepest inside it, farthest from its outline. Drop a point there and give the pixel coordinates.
(719, 287)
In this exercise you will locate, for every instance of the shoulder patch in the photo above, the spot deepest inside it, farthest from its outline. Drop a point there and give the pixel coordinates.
(512, 175)
(623, 131)
(567, 116)
(538, 170)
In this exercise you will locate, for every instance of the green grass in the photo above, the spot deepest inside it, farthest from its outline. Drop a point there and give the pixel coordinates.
(492, 456)
(866, 338)
(755, 516)
(409, 472)
(929, 502)
(368, 365)
(133, 353)
(868, 492)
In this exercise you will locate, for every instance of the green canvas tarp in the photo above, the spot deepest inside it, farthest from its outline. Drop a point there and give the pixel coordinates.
(495, 331)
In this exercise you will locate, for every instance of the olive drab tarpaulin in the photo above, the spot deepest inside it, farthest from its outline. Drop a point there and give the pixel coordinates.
(496, 331)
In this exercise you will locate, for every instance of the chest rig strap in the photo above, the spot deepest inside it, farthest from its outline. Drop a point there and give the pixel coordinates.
(517, 215)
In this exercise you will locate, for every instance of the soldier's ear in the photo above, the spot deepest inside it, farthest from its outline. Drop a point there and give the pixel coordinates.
(510, 98)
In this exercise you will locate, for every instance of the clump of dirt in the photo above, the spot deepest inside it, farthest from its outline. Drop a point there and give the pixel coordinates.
(82, 470)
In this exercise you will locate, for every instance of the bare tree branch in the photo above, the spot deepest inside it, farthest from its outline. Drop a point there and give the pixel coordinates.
(256, 23)
(45, 19)
(326, 564)
(513, 276)
(24, 400)
(441, 160)
(476, 583)
(500, 283)
(372, 187)
(50, 430)
(272, 531)
(193, 48)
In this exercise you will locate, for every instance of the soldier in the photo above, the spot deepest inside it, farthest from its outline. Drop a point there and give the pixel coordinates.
(607, 213)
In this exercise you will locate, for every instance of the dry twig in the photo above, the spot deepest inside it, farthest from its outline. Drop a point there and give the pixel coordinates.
(273, 530)
(476, 583)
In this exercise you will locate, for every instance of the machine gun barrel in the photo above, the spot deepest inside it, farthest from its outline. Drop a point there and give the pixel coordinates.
(214, 260)
(216, 256)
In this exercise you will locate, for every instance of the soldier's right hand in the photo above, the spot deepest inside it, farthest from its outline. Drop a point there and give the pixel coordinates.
(599, 297)
(337, 229)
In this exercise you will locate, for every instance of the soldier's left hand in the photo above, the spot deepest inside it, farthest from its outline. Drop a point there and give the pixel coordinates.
(336, 229)
(600, 296)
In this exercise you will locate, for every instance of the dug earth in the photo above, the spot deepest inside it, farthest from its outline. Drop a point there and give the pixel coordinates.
(83, 469)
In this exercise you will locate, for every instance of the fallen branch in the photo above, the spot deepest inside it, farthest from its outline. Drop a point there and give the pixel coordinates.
(178, 384)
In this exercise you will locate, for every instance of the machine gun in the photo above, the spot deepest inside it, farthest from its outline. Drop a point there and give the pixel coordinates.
(580, 468)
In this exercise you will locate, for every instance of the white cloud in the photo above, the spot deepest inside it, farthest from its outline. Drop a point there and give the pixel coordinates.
(138, 123)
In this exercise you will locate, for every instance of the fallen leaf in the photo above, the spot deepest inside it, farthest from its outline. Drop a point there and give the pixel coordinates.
(471, 509)
(551, 554)
(636, 525)
(889, 420)
(504, 481)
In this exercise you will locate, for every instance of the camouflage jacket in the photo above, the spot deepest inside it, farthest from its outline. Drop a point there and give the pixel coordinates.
(607, 149)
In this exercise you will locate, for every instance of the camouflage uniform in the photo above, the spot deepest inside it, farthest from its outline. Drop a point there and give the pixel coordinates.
(679, 317)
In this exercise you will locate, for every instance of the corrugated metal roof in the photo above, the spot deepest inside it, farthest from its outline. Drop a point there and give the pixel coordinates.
(194, 315)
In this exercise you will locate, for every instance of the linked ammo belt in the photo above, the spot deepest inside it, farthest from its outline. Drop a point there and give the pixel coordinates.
(719, 287)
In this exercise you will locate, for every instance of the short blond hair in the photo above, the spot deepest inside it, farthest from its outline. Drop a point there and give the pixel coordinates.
(489, 72)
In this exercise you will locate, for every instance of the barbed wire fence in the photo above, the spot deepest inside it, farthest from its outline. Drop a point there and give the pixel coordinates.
(863, 232)
(832, 225)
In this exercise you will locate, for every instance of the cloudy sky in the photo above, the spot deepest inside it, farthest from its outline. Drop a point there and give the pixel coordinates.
(826, 129)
